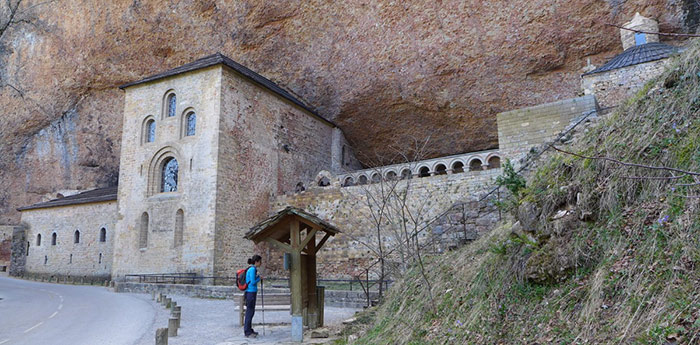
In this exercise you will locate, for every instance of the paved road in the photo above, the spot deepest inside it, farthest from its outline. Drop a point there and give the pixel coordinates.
(35, 313)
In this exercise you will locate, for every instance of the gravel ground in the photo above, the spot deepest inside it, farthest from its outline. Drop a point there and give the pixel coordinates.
(215, 322)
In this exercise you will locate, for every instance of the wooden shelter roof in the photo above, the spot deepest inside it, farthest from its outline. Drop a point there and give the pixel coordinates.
(267, 227)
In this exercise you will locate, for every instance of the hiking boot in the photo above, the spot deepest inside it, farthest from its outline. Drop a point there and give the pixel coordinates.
(252, 335)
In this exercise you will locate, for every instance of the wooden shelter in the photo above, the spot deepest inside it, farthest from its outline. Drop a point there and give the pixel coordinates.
(294, 231)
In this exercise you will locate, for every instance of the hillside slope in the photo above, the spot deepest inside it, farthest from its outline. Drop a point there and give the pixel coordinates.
(596, 253)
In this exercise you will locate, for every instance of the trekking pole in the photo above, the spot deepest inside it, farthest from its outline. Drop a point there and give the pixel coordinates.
(262, 298)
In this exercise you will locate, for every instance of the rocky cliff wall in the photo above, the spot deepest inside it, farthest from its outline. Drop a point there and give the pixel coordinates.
(384, 71)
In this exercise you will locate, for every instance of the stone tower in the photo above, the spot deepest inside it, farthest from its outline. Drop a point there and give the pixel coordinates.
(641, 23)
(205, 147)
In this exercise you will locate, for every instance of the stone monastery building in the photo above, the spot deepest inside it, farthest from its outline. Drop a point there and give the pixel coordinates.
(211, 148)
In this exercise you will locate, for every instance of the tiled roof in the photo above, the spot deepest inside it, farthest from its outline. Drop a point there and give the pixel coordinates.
(219, 58)
(636, 55)
(95, 195)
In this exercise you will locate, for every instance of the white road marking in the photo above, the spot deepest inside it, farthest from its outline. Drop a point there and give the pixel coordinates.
(60, 306)
(54, 314)
(35, 326)
(4, 341)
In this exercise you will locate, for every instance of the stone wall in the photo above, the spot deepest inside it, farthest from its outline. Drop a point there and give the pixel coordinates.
(5, 246)
(18, 258)
(347, 254)
(88, 257)
(267, 146)
(519, 130)
(611, 88)
(140, 173)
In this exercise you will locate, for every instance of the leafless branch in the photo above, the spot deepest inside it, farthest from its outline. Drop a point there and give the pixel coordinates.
(651, 167)
(653, 33)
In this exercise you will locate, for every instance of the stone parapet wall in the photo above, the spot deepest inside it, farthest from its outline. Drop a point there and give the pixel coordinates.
(5, 246)
(334, 298)
(612, 88)
(18, 257)
(347, 254)
(519, 130)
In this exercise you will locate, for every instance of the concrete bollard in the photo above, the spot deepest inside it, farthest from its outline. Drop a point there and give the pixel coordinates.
(162, 336)
(176, 315)
(159, 297)
(172, 327)
(166, 303)
(153, 295)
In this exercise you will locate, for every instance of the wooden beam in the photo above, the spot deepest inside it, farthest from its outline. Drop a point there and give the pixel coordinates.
(323, 241)
(296, 288)
(283, 246)
(311, 235)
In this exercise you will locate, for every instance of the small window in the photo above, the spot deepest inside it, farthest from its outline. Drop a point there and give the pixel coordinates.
(70, 259)
(640, 38)
(103, 235)
(169, 176)
(179, 227)
(38, 240)
(53, 239)
(494, 162)
(441, 169)
(406, 174)
(362, 180)
(150, 131)
(424, 172)
(143, 231)
(190, 122)
(457, 167)
(391, 176)
(27, 248)
(348, 182)
(99, 261)
(46, 259)
(475, 165)
(172, 102)
(76, 237)
(376, 178)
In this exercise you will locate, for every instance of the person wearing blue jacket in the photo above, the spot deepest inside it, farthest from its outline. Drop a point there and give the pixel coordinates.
(252, 279)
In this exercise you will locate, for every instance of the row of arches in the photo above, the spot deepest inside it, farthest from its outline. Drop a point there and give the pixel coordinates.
(76, 237)
(188, 119)
(178, 231)
(424, 170)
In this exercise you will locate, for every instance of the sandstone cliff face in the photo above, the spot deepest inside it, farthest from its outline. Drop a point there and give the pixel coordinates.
(387, 72)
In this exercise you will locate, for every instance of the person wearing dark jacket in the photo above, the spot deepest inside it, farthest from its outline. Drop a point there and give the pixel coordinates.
(252, 279)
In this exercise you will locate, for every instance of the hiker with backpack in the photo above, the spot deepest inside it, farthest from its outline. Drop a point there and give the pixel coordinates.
(250, 285)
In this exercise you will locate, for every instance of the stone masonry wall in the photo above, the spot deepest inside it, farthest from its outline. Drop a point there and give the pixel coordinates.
(267, 146)
(5, 246)
(345, 256)
(614, 87)
(141, 166)
(521, 129)
(89, 257)
(18, 249)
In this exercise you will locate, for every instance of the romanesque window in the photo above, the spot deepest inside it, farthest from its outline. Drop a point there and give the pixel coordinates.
(143, 233)
(424, 172)
(376, 178)
(76, 237)
(179, 227)
(391, 176)
(38, 240)
(406, 174)
(150, 131)
(441, 169)
(362, 180)
(169, 175)
(53, 239)
(457, 167)
(494, 162)
(348, 182)
(103, 235)
(191, 123)
(475, 165)
(171, 105)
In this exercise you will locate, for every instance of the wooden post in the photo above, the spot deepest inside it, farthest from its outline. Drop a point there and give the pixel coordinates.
(311, 284)
(297, 319)
(241, 313)
(321, 302)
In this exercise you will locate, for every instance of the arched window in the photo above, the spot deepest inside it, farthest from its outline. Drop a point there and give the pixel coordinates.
(53, 239)
(103, 235)
(171, 105)
(190, 123)
(179, 220)
(406, 174)
(475, 165)
(348, 182)
(168, 181)
(424, 172)
(441, 169)
(376, 178)
(494, 162)
(150, 131)
(362, 180)
(143, 231)
(324, 182)
(38, 240)
(457, 167)
(391, 176)
(76, 236)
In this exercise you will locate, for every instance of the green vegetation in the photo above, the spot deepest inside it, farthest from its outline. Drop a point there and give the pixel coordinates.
(615, 254)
